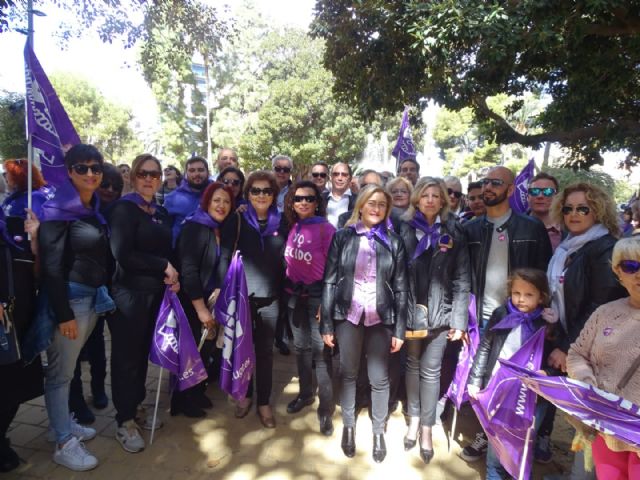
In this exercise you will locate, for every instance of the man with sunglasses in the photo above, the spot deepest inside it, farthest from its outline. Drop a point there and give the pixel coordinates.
(282, 166)
(320, 175)
(542, 189)
(340, 199)
(454, 190)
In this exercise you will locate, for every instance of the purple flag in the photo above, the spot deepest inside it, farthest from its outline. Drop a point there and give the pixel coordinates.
(606, 412)
(48, 125)
(458, 389)
(518, 201)
(404, 145)
(232, 311)
(506, 408)
(173, 346)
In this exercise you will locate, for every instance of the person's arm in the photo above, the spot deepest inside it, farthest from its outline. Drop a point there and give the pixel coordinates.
(190, 250)
(228, 236)
(578, 359)
(545, 250)
(330, 281)
(480, 361)
(461, 284)
(52, 240)
(400, 287)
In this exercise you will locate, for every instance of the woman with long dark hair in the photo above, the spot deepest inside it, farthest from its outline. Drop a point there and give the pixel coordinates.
(233, 178)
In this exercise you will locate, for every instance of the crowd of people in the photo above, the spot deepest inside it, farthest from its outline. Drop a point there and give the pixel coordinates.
(370, 277)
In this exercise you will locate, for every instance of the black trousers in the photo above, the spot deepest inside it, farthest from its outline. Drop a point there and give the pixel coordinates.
(7, 414)
(94, 352)
(264, 316)
(131, 331)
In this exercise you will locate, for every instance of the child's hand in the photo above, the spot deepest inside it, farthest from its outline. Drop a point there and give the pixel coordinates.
(473, 391)
(550, 315)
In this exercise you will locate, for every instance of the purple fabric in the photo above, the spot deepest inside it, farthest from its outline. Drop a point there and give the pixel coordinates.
(506, 408)
(4, 233)
(516, 318)
(273, 221)
(404, 148)
(431, 233)
(173, 346)
(458, 389)
(364, 279)
(380, 231)
(232, 311)
(306, 250)
(66, 205)
(47, 122)
(136, 198)
(203, 218)
(606, 412)
(310, 221)
(519, 200)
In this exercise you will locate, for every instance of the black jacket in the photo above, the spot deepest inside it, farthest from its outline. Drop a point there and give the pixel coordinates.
(529, 247)
(352, 200)
(392, 285)
(447, 275)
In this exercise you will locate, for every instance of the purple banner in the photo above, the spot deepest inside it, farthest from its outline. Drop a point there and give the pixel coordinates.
(173, 346)
(506, 408)
(51, 131)
(606, 412)
(519, 200)
(458, 389)
(404, 145)
(232, 311)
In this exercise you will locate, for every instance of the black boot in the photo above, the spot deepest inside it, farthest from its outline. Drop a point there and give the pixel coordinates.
(182, 403)
(80, 410)
(379, 447)
(8, 457)
(349, 441)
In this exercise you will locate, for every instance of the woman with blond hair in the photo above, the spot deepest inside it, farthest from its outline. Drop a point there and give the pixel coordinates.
(400, 190)
(364, 306)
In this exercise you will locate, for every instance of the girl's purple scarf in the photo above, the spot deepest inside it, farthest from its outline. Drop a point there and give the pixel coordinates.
(136, 198)
(203, 218)
(431, 234)
(515, 317)
(66, 206)
(380, 231)
(273, 221)
(310, 221)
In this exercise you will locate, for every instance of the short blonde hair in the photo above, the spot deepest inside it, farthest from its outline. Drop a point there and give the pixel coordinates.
(625, 249)
(398, 180)
(418, 191)
(363, 197)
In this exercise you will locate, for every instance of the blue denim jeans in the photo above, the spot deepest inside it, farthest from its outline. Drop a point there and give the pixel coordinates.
(62, 355)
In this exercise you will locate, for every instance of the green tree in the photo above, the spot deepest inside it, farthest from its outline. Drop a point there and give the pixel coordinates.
(13, 143)
(583, 55)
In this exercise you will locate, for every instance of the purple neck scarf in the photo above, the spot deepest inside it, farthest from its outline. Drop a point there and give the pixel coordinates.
(380, 231)
(273, 221)
(310, 221)
(66, 206)
(203, 218)
(515, 317)
(136, 198)
(431, 233)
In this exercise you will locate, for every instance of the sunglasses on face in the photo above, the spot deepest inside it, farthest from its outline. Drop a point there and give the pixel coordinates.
(494, 182)
(450, 191)
(629, 266)
(305, 198)
(282, 169)
(537, 191)
(230, 181)
(155, 174)
(340, 174)
(319, 174)
(82, 169)
(581, 210)
(261, 191)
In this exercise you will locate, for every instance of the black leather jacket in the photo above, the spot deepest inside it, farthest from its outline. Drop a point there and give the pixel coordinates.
(198, 261)
(529, 247)
(392, 286)
(447, 298)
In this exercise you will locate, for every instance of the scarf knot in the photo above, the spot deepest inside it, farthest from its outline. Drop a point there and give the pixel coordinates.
(517, 318)
(431, 233)
(378, 231)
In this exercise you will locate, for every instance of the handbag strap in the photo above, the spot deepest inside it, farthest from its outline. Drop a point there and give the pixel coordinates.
(629, 373)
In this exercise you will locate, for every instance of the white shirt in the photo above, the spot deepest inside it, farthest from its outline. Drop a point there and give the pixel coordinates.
(336, 207)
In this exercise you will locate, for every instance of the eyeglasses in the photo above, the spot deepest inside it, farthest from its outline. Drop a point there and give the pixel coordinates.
(537, 191)
(399, 192)
(83, 169)
(451, 191)
(155, 174)
(629, 266)
(261, 191)
(282, 169)
(494, 182)
(581, 210)
(318, 174)
(230, 181)
(305, 198)
(340, 174)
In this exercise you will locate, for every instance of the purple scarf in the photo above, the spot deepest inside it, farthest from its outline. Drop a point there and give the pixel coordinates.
(66, 206)
(273, 221)
(310, 221)
(431, 234)
(515, 317)
(203, 218)
(380, 231)
(136, 198)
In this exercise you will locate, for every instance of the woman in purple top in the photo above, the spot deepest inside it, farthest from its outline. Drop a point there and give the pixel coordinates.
(364, 307)
(305, 255)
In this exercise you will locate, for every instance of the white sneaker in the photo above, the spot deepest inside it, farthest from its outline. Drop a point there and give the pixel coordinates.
(82, 433)
(145, 420)
(129, 437)
(74, 456)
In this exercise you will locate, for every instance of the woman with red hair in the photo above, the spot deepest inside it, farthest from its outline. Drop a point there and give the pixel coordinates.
(16, 173)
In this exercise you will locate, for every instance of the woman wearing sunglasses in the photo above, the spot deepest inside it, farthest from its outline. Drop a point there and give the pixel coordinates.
(260, 238)
(74, 250)
(606, 356)
(305, 255)
(141, 246)
(364, 307)
(233, 178)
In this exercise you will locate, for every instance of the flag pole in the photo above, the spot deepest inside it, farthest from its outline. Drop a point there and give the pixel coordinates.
(525, 453)
(30, 143)
(155, 407)
(453, 426)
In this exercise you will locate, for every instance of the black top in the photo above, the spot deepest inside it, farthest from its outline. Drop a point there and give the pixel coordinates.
(141, 245)
(198, 261)
(264, 267)
(74, 251)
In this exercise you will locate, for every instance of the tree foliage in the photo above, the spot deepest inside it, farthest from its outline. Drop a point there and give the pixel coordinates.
(13, 143)
(583, 55)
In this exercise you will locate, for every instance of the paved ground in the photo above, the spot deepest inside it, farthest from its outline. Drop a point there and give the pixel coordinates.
(223, 447)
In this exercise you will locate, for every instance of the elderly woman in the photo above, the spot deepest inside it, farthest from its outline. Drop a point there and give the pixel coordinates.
(400, 190)
(141, 245)
(15, 203)
(364, 307)
(606, 355)
(439, 279)
(260, 237)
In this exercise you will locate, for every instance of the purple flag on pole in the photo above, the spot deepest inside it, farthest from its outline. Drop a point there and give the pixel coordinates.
(404, 145)
(232, 311)
(48, 124)
(606, 412)
(458, 389)
(506, 408)
(173, 346)
(518, 201)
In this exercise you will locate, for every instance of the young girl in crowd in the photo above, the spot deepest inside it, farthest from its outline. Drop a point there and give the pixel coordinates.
(509, 327)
